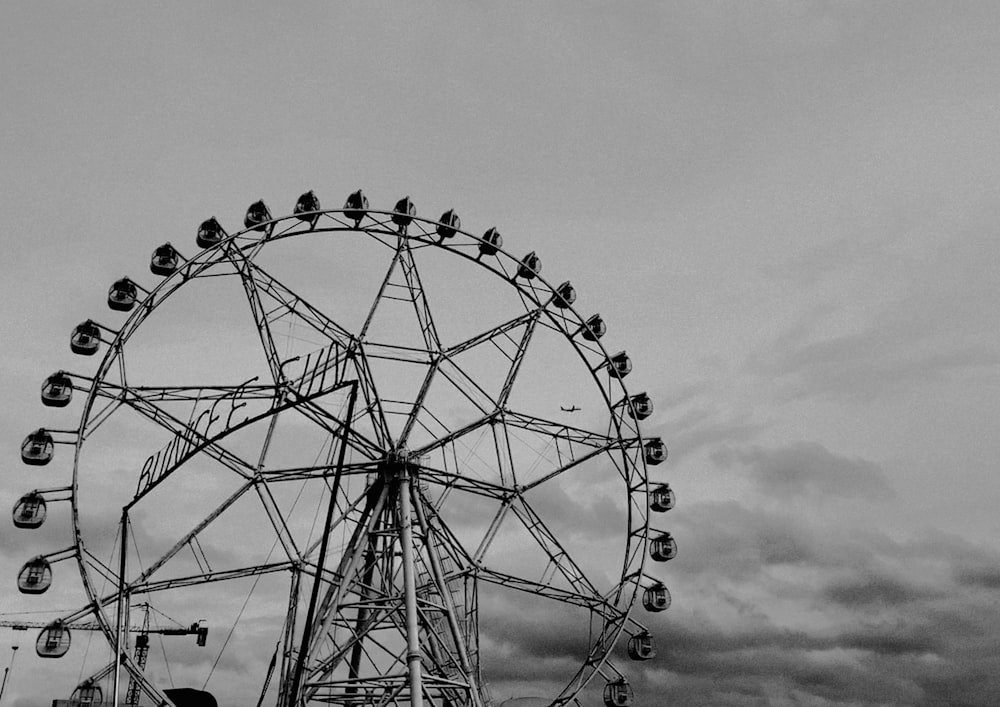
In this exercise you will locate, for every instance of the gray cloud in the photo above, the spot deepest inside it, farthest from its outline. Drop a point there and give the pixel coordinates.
(808, 468)
(862, 366)
(854, 618)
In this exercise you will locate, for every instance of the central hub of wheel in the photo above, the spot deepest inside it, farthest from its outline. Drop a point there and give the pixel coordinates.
(397, 465)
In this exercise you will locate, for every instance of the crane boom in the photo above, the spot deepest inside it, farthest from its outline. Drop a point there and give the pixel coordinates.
(94, 626)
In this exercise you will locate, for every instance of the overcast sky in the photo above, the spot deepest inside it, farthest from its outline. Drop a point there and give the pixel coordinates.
(788, 213)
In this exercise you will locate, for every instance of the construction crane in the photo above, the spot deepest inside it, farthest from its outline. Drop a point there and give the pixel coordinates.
(195, 629)
(141, 642)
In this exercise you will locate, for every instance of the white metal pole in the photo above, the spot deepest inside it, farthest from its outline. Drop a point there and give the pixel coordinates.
(122, 618)
(6, 671)
(413, 657)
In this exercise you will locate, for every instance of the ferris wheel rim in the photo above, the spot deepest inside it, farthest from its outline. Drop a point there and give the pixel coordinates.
(246, 240)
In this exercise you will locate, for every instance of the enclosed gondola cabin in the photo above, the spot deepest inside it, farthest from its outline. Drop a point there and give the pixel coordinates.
(85, 339)
(306, 208)
(620, 364)
(661, 499)
(164, 260)
(655, 451)
(57, 390)
(529, 266)
(594, 328)
(640, 407)
(35, 576)
(492, 242)
(210, 233)
(122, 295)
(449, 224)
(656, 598)
(87, 695)
(29, 511)
(403, 212)
(53, 641)
(663, 548)
(565, 295)
(618, 693)
(258, 216)
(37, 448)
(356, 206)
(640, 647)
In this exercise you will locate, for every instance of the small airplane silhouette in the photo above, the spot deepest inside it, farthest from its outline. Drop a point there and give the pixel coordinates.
(573, 408)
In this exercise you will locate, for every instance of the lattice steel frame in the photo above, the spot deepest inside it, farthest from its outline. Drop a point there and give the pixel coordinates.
(349, 598)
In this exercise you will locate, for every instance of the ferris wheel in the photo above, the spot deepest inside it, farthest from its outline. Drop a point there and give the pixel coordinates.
(379, 457)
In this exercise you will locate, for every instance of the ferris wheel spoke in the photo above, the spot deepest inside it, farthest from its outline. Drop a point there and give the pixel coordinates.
(571, 446)
(386, 282)
(451, 437)
(193, 533)
(208, 577)
(418, 296)
(596, 603)
(372, 408)
(558, 558)
(418, 403)
(453, 481)
(178, 393)
(262, 321)
(495, 333)
(285, 302)
(504, 339)
(356, 440)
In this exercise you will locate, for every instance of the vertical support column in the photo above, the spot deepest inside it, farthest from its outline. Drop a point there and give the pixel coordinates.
(121, 618)
(294, 694)
(413, 657)
(426, 525)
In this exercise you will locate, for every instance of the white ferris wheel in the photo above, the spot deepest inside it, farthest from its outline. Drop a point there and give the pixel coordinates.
(364, 455)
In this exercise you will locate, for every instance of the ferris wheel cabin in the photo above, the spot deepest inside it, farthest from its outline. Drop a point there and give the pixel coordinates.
(641, 406)
(640, 646)
(164, 260)
(492, 242)
(403, 212)
(57, 390)
(29, 511)
(594, 328)
(530, 266)
(306, 204)
(656, 598)
(37, 448)
(663, 548)
(35, 576)
(356, 206)
(618, 693)
(620, 364)
(53, 641)
(258, 216)
(661, 499)
(450, 223)
(210, 233)
(87, 695)
(85, 339)
(565, 295)
(655, 451)
(122, 295)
